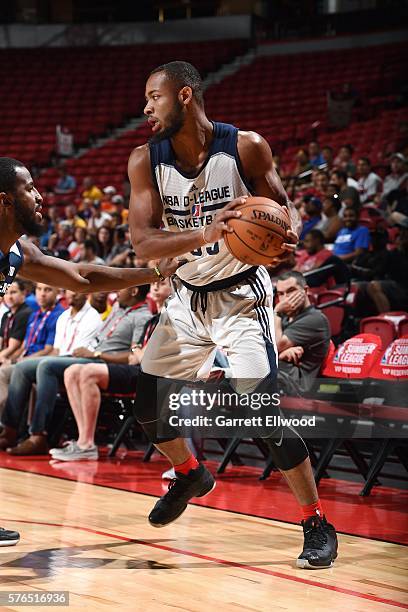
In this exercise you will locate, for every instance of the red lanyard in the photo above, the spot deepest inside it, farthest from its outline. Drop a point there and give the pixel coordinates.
(7, 328)
(117, 321)
(34, 332)
(76, 324)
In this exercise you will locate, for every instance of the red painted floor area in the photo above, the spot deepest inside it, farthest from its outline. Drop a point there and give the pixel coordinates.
(383, 515)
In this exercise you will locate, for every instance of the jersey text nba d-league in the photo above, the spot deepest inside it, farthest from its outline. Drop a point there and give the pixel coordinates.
(10, 263)
(191, 202)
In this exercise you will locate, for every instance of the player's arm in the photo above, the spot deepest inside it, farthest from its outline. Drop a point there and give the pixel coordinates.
(85, 278)
(145, 216)
(282, 342)
(257, 162)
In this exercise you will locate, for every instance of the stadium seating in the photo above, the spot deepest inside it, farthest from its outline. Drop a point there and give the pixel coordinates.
(291, 98)
(380, 326)
(88, 90)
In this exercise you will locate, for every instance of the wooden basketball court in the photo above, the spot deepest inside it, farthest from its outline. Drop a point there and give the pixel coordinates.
(96, 543)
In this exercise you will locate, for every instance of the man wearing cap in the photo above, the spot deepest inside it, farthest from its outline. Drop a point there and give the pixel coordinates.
(106, 203)
(398, 175)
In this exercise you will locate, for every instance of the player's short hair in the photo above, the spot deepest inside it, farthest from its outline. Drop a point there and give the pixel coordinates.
(183, 74)
(8, 173)
(298, 276)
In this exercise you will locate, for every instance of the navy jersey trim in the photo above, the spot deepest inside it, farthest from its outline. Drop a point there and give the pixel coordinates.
(10, 265)
(225, 140)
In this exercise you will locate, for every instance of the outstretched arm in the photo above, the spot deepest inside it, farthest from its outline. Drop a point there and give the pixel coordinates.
(85, 278)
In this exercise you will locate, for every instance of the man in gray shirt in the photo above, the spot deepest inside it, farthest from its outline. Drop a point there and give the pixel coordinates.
(302, 335)
(122, 328)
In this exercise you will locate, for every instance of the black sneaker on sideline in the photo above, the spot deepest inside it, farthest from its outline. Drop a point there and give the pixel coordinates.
(320, 544)
(197, 483)
(8, 538)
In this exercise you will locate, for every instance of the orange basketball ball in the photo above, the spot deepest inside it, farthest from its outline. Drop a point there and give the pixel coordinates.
(259, 233)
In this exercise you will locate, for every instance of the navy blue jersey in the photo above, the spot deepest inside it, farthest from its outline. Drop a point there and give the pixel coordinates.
(10, 264)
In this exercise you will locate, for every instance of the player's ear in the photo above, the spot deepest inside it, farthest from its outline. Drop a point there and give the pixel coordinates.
(185, 95)
(5, 199)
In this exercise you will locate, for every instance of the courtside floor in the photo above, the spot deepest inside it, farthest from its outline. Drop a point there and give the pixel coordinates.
(84, 530)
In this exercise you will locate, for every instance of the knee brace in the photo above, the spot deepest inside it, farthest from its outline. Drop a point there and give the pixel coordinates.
(286, 448)
(151, 407)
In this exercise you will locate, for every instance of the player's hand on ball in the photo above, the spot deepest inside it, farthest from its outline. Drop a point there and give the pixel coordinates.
(168, 266)
(215, 230)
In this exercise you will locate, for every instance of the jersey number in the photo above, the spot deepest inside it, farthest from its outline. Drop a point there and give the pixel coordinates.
(211, 250)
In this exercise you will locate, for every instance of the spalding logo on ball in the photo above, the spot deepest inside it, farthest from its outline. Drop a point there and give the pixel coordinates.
(259, 233)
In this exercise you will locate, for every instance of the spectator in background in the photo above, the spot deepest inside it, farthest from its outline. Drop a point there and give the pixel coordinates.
(372, 264)
(314, 254)
(61, 240)
(86, 209)
(321, 184)
(72, 218)
(84, 386)
(159, 292)
(120, 247)
(346, 189)
(104, 242)
(76, 327)
(302, 335)
(302, 165)
(315, 156)
(98, 218)
(344, 160)
(398, 177)
(74, 248)
(327, 154)
(331, 222)
(313, 210)
(39, 336)
(99, 301)
(392, 292)
(353, 239)
(106, 203)
(90, 190)
(50, 224)
(119, 203)
(66, 183)
(87, 253)
(369, 183)
(30, 299)
(14, 322)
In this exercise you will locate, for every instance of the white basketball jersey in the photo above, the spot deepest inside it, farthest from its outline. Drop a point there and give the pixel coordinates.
(190, 202)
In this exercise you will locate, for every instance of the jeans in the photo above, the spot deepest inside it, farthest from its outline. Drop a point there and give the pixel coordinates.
(47, 373)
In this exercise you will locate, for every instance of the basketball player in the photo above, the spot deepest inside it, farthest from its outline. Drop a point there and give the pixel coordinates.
(189, 178)
(20, 213)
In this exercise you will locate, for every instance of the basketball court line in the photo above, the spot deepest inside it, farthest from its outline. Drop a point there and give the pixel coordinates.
(218, 561)
(199, 505)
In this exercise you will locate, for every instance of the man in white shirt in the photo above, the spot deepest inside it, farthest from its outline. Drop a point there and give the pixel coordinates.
(369, 183)
(76, 327)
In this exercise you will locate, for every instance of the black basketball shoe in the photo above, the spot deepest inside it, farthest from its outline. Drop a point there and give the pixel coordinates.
(8, 538)
(320, 545)
(197, 483)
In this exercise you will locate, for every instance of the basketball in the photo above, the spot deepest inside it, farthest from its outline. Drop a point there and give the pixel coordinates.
(260, 232)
